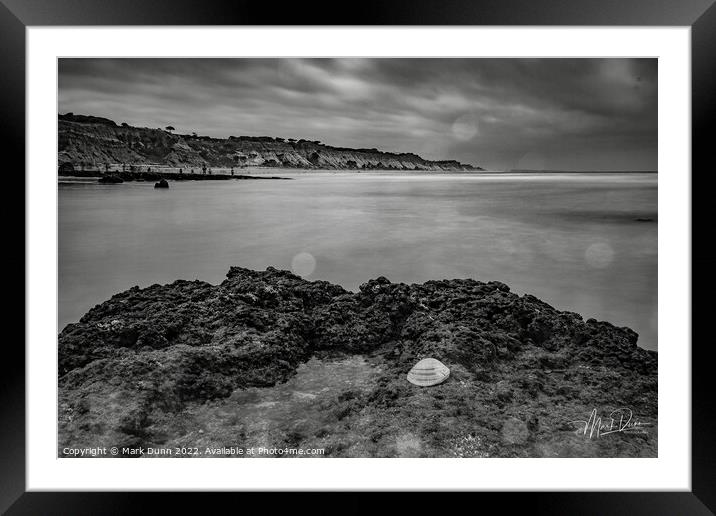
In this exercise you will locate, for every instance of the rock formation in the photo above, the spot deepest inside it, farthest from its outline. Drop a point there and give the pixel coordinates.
(192, 364)
(110, 179)
(96, 143)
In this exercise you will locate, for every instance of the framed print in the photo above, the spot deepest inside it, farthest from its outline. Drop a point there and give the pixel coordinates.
(432, 249)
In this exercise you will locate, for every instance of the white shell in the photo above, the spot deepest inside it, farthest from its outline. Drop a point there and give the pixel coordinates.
(428, 371)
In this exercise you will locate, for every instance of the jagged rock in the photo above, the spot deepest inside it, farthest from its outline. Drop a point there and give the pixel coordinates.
(66, 168)
(142, 367)
(110, 179)
(504, 391)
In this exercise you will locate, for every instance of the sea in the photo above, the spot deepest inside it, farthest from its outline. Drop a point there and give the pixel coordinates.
(582, 242)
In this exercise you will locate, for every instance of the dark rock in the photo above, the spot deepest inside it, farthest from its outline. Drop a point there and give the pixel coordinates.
(159, 351)
(504, 391)
(110, 179)
(66, 168)
(161, 184)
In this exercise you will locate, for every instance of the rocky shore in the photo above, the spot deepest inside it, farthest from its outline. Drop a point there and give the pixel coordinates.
(121, 177)
(267, 358)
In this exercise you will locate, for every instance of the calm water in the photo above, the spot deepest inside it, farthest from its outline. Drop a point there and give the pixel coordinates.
(570, 239)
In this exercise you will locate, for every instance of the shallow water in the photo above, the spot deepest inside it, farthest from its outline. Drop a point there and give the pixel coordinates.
(570, 239)
(302, 406)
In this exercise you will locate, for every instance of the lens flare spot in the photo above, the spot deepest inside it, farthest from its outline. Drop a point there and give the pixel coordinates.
(599, 255)
(303, 264)
(465, 128)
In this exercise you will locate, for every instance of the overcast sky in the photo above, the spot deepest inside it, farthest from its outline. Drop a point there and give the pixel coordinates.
(577, 114)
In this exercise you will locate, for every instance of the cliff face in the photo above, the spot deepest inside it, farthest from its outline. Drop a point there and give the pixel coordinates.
(269, 359)
(98, 143)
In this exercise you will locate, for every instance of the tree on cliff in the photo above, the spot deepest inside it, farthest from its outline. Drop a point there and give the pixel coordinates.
(169, 128)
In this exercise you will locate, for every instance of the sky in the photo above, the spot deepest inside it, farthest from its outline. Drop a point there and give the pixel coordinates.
(500, 114)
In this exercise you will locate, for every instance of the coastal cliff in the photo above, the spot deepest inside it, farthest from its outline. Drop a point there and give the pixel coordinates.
(88, 142)
(267, 358)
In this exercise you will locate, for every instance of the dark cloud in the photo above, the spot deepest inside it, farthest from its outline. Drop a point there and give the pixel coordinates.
(582, 114)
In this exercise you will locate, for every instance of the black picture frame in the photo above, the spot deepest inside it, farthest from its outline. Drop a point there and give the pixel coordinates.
(700, 15)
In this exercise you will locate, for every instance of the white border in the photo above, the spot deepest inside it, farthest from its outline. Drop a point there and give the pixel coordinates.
(671, 471)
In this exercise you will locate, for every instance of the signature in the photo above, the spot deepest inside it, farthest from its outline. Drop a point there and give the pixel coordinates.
(621, 420)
